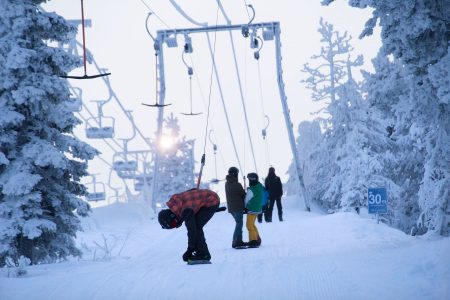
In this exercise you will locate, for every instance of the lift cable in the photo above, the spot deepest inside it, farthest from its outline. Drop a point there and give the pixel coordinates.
(153, 12)
(186, 16)
(240, 89)
(202, 97)
(209, 102)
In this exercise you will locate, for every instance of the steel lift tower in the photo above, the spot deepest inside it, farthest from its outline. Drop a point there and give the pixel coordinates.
(270, 31)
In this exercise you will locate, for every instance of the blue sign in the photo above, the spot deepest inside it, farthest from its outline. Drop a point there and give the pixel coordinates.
(377, 200)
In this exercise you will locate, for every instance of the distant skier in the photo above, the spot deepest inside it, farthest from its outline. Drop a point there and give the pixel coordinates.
(195, 207)
(253, 204)
(275, 189)
(235, 201)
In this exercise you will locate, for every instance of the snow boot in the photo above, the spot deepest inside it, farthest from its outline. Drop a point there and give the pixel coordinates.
(253, 244)
(240, 245)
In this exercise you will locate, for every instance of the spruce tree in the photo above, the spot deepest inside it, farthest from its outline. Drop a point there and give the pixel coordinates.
(41, 162)
(416, 34)
(176, 168)
(326, 81)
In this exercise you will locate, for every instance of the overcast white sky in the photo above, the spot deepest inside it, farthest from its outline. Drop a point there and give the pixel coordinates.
(119, 42)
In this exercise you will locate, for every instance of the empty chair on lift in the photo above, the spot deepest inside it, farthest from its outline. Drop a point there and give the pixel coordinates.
(140, 180)
(74, 104)
(98, 190)
(100, 128)
(122, 164)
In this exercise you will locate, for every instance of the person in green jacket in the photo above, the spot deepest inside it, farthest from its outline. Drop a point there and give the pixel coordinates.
(253, 204)
(235, 201)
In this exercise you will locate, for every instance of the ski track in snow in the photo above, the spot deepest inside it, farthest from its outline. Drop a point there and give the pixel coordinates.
(309, 256)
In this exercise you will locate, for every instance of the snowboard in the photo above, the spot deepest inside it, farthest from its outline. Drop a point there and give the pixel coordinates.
(198, 262)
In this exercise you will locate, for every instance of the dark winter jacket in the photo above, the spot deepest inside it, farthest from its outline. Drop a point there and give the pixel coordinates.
(235, 194)
(273, 186)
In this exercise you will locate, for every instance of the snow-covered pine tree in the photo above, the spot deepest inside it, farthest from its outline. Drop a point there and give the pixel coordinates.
(417, 33)
(309, 136)
(176, 172)
(41, 163)
(360, 154)
(385, 89)
(325, 80)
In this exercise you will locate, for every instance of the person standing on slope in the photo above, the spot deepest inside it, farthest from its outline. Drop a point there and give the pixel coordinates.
(235, 201)
(195, 207)
(275, 189)
(253, 204)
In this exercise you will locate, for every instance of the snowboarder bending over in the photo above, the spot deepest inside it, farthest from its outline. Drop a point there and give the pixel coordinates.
(195, 207)
(253, 203)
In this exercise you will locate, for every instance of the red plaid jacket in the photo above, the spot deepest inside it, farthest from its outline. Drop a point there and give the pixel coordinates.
(193, 199)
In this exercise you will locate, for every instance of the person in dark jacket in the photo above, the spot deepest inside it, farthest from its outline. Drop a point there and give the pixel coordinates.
(235, 195)
(195, 208)
(274, 187)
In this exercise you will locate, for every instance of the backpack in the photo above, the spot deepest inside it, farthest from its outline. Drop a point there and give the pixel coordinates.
(265, 197)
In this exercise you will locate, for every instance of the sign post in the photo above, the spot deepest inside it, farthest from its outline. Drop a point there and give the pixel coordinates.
(377, 201)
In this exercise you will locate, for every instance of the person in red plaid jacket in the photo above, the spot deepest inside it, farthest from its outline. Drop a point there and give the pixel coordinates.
(195, 208)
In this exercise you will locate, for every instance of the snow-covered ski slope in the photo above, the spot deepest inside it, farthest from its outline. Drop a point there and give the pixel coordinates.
(309, 256)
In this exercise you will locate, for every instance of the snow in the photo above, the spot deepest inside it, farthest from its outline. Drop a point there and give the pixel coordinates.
(309, 256)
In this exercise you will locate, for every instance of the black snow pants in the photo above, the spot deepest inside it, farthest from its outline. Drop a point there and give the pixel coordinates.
(197, 239)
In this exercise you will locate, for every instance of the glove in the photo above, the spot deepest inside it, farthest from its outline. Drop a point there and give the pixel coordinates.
(188, 254)
(245, 210)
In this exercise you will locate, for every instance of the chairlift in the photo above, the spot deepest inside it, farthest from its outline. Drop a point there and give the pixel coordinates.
(74, 104)
(100, 127)
(98, 188)
(85, 76)
(116, 190)
(190, 73)
(124, 165)
(140, 180)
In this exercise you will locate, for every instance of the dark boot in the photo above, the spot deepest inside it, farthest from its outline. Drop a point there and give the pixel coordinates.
(201, 256)
(258, 241)
(260, 218)
(253, 244)
(240, 245)
(280, 217)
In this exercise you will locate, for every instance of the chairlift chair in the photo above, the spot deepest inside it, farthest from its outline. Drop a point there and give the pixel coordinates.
(98, 188)
(100, 127)
(74, 104)
(122, 164)
(85, 76)
(140, 180)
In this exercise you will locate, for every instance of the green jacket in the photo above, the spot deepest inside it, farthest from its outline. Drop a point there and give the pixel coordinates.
(254, 198)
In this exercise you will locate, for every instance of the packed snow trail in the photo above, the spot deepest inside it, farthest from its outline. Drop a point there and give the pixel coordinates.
(309, 256)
